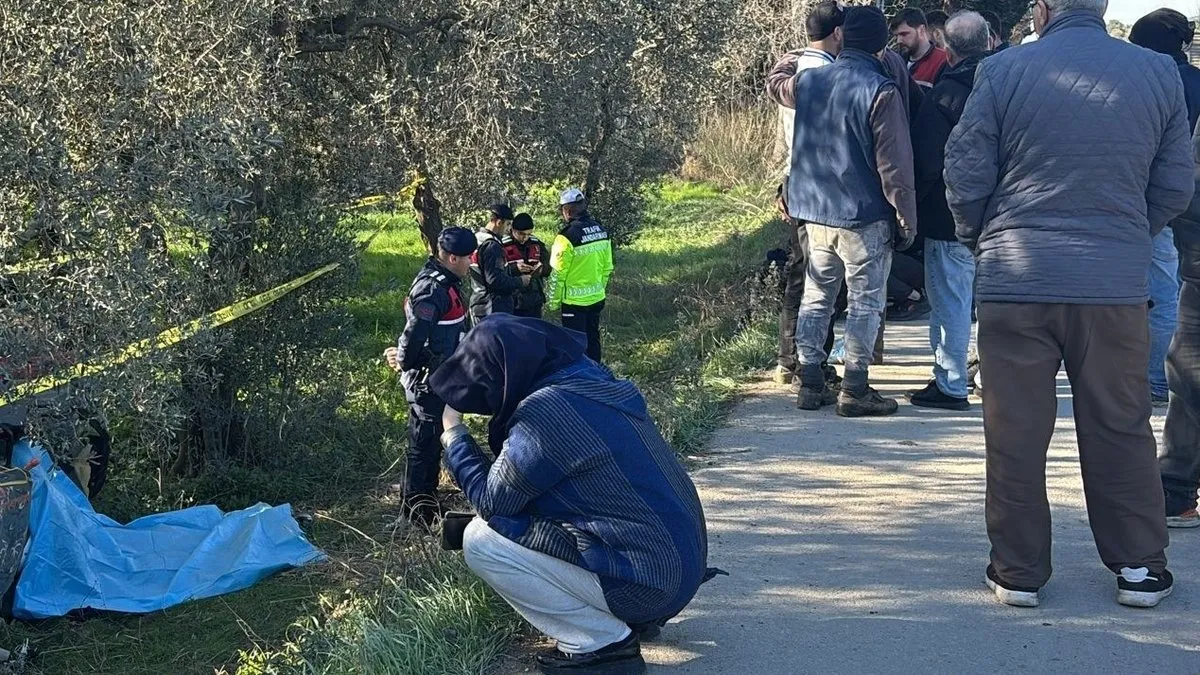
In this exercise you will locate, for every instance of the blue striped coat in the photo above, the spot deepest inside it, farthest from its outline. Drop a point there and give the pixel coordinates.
(586, 477)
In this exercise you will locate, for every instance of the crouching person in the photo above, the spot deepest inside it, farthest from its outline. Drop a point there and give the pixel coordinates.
(588, 526)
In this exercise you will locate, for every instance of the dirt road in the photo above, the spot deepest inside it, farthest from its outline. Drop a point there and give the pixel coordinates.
(858, 546)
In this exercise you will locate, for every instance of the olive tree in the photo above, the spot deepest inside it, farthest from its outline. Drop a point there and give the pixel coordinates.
(162, 159)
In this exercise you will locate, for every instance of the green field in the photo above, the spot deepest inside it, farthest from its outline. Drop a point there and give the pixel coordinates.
(684, 321)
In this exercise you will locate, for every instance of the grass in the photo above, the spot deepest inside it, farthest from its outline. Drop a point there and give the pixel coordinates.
(683, 321)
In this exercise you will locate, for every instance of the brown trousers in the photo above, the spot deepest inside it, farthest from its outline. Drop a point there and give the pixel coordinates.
(1105, 349)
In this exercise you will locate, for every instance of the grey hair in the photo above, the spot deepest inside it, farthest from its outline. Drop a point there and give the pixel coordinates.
(1059, 6)
(967, 34)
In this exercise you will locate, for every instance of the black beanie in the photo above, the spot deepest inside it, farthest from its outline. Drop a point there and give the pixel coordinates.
(865, 28)
(1163, 30)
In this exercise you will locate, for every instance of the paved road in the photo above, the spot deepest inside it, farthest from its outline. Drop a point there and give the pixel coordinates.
(858, 546)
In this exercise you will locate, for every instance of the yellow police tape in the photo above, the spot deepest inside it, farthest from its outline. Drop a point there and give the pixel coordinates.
(164, 339)
(178, 334)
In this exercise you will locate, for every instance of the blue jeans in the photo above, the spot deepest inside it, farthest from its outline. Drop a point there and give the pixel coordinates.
(1164, 293)
(862, 257)
(949, 282)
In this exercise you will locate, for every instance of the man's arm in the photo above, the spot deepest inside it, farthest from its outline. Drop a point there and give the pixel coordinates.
(781, 80)
(543, 261)
(496, 278)
(973, 159)
(1171, 186)
(894, 157)
(426, 308)
(505, 487)
(560, 260)
(930, 131)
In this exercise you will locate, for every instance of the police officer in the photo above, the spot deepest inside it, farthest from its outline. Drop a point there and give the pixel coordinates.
(436, 318)
(581, 263)
(494, 288)
(526, 254)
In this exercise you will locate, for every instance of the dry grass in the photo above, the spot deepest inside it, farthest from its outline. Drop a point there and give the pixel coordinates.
(735, 146)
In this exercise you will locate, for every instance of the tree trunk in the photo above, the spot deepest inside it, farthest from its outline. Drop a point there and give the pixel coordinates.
(215, 425)
(599, 146)
(429, 215)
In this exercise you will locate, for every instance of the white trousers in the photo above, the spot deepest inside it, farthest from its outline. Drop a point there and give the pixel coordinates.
(558, 598)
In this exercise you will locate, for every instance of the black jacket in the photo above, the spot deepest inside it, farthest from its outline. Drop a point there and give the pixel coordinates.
(940, 110)
(531, 297)
(1187, 226)
(435, 318)
(493, 287)
(1191, 88)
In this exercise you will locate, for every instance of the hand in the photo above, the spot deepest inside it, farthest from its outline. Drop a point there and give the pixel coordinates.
(525, 268)
(392, 356)
(451, 418)
(904, 239)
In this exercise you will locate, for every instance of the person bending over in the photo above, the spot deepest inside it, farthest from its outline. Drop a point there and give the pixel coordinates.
(588, 526)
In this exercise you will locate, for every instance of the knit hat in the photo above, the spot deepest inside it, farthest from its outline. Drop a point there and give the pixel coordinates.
(1163, 30)
(523, 222)
(865, 29)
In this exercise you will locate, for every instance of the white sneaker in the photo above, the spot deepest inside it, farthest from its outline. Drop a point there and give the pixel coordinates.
(1011, 595)
(1139, 587)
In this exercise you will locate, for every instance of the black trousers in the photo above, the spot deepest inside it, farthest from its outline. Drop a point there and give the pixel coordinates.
(424, 459)
(793, 294)
(586, 320)
(907, 275)
(529, 313)
(1179, 458)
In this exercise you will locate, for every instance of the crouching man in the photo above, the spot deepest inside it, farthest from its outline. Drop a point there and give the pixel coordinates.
(588, 526)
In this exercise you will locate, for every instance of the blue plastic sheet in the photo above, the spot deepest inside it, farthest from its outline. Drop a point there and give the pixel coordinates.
(78, 558)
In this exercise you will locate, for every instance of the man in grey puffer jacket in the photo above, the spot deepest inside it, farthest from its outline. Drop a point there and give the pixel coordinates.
(1072, 152)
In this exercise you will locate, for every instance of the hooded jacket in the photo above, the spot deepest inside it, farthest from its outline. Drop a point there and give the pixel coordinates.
(582, 473)
(940, 111)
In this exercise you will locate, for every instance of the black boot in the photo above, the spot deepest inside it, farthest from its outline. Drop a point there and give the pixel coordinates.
(867, 404)
(619, 658)
(421, 510)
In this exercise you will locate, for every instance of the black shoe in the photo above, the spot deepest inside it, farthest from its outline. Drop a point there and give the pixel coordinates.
(868, 404)
(932, 397)
(1142, 588)
(815, 399)
(646, 632)
(620, 658)
(421, 510)
(832, 379)
(910, 310)
(1016, 596)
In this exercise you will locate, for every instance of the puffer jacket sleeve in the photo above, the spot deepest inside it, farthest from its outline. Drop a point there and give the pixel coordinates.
(1170, 188)
(973, 159)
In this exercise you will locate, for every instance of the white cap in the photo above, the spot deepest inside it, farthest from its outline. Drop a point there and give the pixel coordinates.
(570, 196)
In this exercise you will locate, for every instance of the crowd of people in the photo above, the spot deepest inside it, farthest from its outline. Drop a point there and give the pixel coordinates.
(1047, 192)
(1044, 192)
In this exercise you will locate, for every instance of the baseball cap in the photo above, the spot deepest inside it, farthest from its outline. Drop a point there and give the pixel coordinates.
(457, 241)
(571, 196)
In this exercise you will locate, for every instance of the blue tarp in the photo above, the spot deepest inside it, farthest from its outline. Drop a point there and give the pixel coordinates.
(78, 558)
